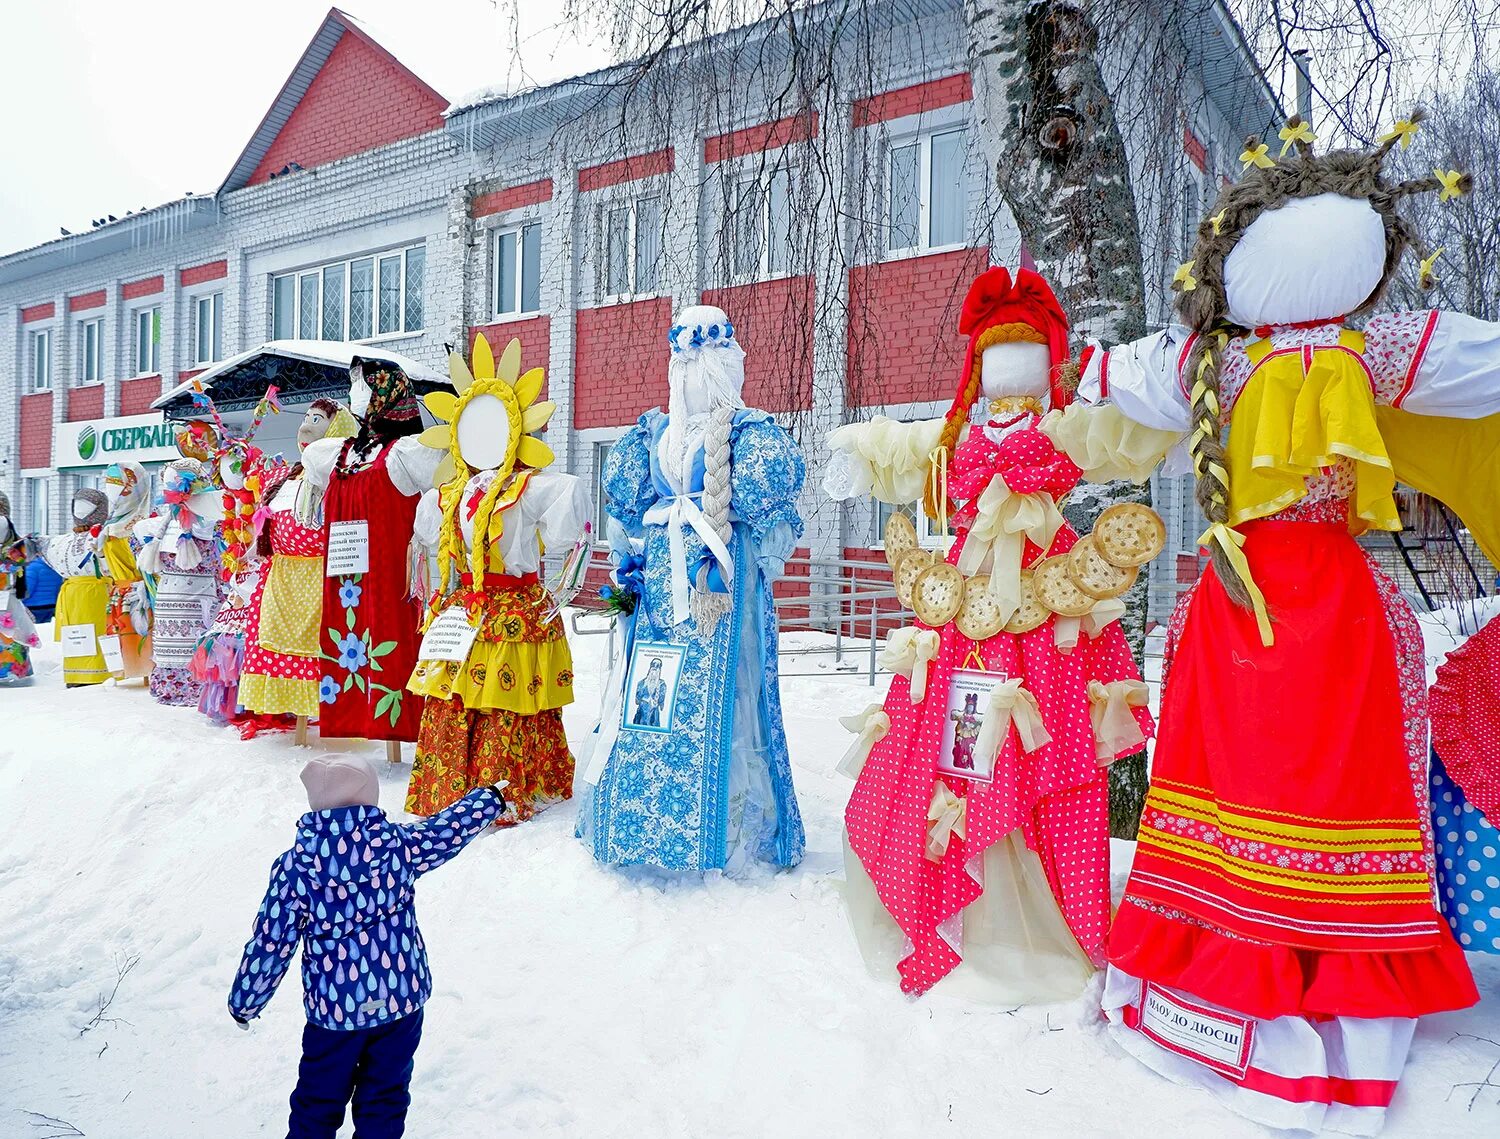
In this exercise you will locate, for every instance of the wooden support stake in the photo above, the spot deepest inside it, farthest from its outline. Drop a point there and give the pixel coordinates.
(393, 750)
(300, 737)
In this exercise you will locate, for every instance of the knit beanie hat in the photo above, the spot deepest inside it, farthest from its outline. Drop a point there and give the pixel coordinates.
(341, 781)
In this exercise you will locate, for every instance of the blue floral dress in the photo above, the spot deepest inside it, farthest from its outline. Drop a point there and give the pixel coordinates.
(701, 779)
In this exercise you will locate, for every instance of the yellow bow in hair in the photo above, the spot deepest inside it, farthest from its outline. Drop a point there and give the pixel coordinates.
(945, 819)
(1231, 542)
(1116, 732)
(1257, 156)
(1427, 276)
(869, 727)
(1290, 134)
(1405, 130)
(1451, 180)
(1184, 277)
(1218, 222)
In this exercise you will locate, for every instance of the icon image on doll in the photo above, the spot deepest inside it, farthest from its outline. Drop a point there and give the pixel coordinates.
(650, 697)
(650, 690)
(965, 733)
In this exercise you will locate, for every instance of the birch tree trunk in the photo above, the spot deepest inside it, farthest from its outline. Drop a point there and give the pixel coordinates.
(1047, 128)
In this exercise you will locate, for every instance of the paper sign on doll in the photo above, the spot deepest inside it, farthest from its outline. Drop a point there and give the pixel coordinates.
(1219, 1040)
(348, 548)
(650, 703)
(449, 637)
(114, 658)
(968, 691)
(78, 641)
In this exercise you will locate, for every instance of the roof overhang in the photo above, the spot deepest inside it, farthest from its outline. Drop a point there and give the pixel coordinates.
(302, 370)
(149, 227)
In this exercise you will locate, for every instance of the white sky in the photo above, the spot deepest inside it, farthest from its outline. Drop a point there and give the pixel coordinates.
(111, 106)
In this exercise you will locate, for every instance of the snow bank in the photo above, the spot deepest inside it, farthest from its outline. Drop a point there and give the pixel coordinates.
(569, 1000)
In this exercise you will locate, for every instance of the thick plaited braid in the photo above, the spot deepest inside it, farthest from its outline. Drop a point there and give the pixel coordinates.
(709, 607)
(1210, 460)
(953, 427)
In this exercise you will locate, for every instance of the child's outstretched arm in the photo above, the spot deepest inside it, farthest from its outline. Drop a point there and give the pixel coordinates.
(273, 941)
(433, 841)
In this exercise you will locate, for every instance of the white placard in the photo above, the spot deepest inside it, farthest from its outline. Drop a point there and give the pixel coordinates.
(449, 637)
(5, 596)
(348, 548)
(79, 641)
(1216, 1039)
(114, 656)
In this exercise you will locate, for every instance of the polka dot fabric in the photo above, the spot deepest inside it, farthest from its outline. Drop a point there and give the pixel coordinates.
(1466, 717)
(1056, 795)
(1468, 850)
(282, 670)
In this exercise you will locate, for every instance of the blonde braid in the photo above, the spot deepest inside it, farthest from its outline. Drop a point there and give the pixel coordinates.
(953, 426)
(1210, 460)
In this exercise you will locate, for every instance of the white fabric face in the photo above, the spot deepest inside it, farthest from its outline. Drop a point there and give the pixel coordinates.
(230, 472)
(82, 508)
(313, 427)
(1018, 368)
(1312, 259)
(359, 391)
(483, 432)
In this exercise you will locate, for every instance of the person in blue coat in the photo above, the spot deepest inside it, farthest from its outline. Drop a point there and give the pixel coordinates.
(344, 890)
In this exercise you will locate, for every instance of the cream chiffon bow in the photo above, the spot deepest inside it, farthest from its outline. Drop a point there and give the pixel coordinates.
(945, 819)
(1002, 524)
(909, 651)
(1115, 729)
(869, 728)
(1008, 704)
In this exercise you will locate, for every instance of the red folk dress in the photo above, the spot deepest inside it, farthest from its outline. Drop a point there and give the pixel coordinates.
(370, 638)
(1054, 799)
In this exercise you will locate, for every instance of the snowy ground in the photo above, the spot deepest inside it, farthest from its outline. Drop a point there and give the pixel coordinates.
(569, 1000)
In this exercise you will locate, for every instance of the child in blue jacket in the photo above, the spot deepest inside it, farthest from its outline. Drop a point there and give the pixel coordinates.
(344, 890)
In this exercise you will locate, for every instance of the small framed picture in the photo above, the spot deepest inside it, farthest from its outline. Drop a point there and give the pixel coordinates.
(967, 692)
(650, 703)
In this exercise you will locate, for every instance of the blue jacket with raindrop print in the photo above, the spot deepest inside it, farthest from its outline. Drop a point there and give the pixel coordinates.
(344, 890)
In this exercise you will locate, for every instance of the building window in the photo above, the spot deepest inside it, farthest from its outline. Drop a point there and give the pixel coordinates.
(357, 299)
(91, 352)
(601, 515)
(518, 270)
(148, 341)
(38, 506)
(926, 192)
(41, 361)
(759, 228)
(929, 534)
(631, 237)
(208, 329)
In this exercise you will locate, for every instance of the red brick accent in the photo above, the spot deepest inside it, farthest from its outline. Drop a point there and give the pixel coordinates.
(626, 169)
(535, 335)
(137, 395)
(765, 136)
(620, 362)
(44, 311)
(183, 377)
(146, 287)
(362, 98)
(511, 198)
(904, 344)
(773, 321)
(201, 274)
(86, 403)
(82, 302)
(1189, 568)
(1195, 150)
(36, 431)
(913, 100)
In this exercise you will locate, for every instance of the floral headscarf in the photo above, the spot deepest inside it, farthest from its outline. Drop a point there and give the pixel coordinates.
(134, 497)
(393, 410)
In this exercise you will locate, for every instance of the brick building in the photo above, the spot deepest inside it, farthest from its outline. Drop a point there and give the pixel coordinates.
(839, 230)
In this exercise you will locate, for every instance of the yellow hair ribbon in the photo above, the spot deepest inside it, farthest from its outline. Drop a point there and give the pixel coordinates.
(1427, 275)
(1451, 187)
(1405, 130)
(1290, 134)
(1184, 276)
(1231, 542)
(937, 466)
(1218, 221)
(1256, 156)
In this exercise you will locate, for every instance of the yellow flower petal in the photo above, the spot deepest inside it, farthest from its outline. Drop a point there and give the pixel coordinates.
(482, 359)
(437, 436)
(445, 472)
(510, 362)
(459, 373)
(529, 386)
(532, 452)
(535, 417)
(441, 404)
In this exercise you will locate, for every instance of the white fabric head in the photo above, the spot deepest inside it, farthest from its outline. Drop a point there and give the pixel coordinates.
(483, 430)
(1311, 259)
(1016, 367)
(706, 372)
(359, 390)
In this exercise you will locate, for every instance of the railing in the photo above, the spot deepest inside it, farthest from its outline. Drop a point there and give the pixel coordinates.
(819, 595)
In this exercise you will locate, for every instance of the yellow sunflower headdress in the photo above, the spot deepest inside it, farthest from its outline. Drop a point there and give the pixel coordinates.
(522, 453)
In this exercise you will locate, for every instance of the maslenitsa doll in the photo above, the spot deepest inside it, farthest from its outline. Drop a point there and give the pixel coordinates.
(1280, 905)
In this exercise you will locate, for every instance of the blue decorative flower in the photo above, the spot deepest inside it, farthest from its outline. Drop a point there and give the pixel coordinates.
(328, 690)
(675, 801)
(352, 654)
(349, 591)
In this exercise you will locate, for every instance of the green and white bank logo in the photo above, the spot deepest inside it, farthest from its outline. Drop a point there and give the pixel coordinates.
(88, 443)
(143, 438)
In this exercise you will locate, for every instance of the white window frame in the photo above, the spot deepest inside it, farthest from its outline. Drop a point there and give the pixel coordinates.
(154, 347)
(922, 139)
(762, 175)
(86, 359)
(39, 503)
(599, 449)
(40, 340)
(316, 271)
(215, 351)
(928, 536)
(632, 245)
(518, 230)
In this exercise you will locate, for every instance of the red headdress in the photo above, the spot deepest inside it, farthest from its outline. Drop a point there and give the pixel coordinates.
(1001, 308)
